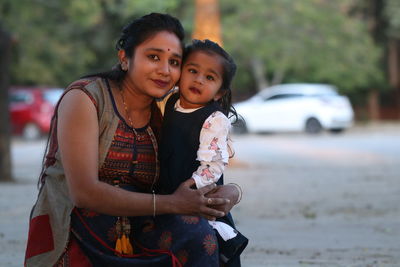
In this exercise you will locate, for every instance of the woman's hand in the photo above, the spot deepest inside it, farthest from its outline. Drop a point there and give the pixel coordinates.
(228, 191)
(194, 202)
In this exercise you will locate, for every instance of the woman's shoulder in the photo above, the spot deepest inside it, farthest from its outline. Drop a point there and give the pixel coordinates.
(83, 83)
(91, 86)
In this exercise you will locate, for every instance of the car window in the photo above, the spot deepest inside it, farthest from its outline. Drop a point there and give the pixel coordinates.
(52, 96)
(283, 96)
(20, 97)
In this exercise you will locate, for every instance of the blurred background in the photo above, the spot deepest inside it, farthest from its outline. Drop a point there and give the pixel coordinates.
(318, 88)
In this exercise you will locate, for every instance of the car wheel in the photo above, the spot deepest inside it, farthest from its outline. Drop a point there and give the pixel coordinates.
(239, 127)
(313, 126)
(336, 130)
(31, 132)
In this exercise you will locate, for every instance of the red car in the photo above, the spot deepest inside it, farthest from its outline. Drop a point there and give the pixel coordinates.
(31, 109)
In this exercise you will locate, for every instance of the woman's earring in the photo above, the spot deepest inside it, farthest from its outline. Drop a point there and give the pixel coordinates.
(124, 67)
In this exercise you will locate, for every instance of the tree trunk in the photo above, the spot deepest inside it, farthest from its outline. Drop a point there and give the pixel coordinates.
(393, 59)
(278, 77)
(207, 23)
(258, 70)
(373, 105)
(5, 60)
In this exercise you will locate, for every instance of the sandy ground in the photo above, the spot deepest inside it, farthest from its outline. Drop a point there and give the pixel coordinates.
(325, 201)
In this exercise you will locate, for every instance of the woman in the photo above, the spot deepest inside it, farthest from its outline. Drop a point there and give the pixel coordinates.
(103, 146)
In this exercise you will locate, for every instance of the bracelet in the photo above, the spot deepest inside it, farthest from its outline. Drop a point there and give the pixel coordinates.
(154, 204)
(240, 192)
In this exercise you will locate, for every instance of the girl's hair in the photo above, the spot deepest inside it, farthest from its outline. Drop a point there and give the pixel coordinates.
(228, 67)
(138, 31)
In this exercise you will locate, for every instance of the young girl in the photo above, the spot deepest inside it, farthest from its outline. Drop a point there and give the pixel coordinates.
(195, 136)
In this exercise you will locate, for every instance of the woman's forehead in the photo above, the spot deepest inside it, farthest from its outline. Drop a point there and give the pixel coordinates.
(163, 41)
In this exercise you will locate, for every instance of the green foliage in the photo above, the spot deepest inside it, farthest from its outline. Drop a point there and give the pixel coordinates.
(58, 41)
(392, 14)
(307, 41)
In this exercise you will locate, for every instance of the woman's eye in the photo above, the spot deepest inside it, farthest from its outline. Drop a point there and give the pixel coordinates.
(154, 57)
(175, 62)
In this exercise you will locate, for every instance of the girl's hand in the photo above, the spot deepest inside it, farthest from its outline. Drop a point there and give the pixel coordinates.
(224, 191)
(194, 202)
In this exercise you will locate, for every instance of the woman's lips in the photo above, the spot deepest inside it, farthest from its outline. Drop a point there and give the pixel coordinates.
(161, 83)
(195, 90)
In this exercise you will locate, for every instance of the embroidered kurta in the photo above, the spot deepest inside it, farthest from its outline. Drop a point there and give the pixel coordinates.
(88, 237)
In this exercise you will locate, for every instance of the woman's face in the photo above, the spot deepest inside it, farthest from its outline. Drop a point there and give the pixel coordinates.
(155, 66)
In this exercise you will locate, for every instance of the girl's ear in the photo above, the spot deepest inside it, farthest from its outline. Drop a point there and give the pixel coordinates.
(219, 95)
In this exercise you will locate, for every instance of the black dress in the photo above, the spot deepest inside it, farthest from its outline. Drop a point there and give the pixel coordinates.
(178, 153)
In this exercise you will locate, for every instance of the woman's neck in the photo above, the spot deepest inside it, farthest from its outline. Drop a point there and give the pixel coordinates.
(136, 100)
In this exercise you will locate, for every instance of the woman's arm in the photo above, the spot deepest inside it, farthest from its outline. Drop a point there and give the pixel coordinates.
(78, 138)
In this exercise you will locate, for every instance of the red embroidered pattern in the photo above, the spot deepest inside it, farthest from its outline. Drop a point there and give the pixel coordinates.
(190, 219)
(210, 244)
(121, 167)
(165, 240)
(182, 256)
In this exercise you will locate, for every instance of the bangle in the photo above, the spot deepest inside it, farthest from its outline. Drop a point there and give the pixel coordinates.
(154, 204)
(240, 192)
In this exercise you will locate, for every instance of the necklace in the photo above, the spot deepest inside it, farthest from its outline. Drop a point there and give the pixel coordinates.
(126, 112)
(128, 115)
(149, 131)
(136, 137)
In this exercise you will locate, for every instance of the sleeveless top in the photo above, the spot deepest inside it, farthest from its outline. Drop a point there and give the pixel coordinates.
(50, 216)
(131, 159)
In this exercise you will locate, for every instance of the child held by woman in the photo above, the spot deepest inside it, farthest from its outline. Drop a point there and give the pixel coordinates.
(195, 135)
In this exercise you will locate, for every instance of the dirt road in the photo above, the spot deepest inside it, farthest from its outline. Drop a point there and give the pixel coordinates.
(327, 200)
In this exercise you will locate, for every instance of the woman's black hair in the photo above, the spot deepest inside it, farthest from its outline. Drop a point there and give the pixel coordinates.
(228, 67)
(138, 31)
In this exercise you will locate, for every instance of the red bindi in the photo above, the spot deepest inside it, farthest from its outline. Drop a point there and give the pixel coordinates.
(169, 49)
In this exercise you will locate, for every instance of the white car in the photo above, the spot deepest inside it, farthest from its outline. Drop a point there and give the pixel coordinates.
(295, 107)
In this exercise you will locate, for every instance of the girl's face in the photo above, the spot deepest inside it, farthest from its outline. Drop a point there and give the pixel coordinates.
(155, 66)
(201, 79)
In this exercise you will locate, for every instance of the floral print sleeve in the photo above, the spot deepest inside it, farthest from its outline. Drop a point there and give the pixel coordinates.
(213, 152)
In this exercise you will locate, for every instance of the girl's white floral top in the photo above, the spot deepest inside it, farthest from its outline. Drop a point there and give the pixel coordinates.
(214, 149)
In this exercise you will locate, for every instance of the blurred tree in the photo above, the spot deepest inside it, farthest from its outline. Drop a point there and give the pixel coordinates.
(382, 18)
(57, 41)
(5, 60)
(272, 41)
(308, 41)
(61, 40)
(392, 13)
(207, 23)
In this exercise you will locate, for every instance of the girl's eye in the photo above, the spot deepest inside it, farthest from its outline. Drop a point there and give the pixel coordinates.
(174, 62)
(154, 57)
(192, 70)
(210, 78)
